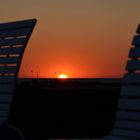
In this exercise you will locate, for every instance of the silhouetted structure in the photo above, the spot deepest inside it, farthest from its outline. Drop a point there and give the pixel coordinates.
(127, 123)
(13, 40)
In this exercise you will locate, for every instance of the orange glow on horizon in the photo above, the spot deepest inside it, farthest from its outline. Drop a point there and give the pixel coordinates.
(90, 41)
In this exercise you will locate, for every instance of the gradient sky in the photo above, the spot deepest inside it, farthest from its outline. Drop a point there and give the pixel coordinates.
(81, 38)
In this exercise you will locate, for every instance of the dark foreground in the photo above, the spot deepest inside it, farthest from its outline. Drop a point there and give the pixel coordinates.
(54, 112)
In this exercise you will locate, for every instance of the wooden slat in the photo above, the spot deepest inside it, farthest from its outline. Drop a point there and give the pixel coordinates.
(128, 124)
(128, 133)
(4, 106)
(136, 40)
(117, 138)
(16, 41)
(131, 78)
(3, 113)
(16, 32)
(130, 91)
(9, 60)
(2, 119)
(130, 104)
(7, 79)
(134, 52)
(17, 24)
(6, 88)
(13, 50)
(5, 98)
(128, 115)
(8, 69)
(138, 29)
(133, 65)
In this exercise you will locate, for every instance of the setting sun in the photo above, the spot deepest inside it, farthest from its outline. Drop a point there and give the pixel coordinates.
(62, 76)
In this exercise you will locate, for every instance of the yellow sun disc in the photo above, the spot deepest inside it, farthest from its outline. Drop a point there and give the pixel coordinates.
(62, 76)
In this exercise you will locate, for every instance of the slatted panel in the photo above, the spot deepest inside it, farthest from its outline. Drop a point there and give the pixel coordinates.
(4, 106)
(12, 35)
(118, 138)
(130, 91)
(131, 78)
(9, 60)
(136, 40)
(17, 24)
(8, 69)
(16, 32)
(133, 65)
(6, 88)
(130, 104)
(7, 79)
(134, 52)
(128, 115)
(5, 98)
(127, 124)
(16, 50)
(16, 41)
(2, 119)
(3, 113)
(127, 133)
(138, 29)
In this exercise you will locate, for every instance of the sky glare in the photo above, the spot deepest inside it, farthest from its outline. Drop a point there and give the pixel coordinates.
(80, 38)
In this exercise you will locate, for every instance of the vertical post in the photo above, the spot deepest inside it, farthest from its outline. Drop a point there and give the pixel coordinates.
(37, 76)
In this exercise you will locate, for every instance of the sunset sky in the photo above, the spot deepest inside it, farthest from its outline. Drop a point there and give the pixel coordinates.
(80, 38)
